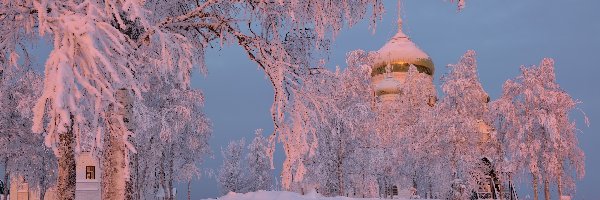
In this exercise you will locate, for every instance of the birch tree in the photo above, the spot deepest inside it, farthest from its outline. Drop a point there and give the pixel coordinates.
(260, 174)
(533, 121)
(464, 103)
(232, 177)
(23, 153)
(172, 135)
(415, 139)
(328, 114)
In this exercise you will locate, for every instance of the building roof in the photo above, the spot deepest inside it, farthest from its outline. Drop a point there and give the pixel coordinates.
(401, 50)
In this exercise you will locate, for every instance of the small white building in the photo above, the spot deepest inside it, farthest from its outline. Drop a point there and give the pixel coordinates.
(87, 187)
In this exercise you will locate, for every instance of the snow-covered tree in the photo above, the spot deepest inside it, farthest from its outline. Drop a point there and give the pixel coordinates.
(414, 113)
(329, 110)
(537, 136)
(231, 174)
(326, 166)
(260, 173)
(250, 172)
(114, 158)
(458, 112)
(172, 135)
(426, 162)
(23, 154)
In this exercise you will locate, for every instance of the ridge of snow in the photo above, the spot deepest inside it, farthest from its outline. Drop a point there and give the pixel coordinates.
(388, 84)
(277, 195)
(400, 47)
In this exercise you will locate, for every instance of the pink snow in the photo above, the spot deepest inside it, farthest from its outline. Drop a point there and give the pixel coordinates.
(400, 47)
(278, 195)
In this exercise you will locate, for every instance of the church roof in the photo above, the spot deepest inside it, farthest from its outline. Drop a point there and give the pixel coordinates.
(401, 50)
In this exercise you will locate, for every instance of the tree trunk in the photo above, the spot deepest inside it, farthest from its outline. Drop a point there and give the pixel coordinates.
(141, 178)
(414, 184)
(559, 181)
(132, 190)
(170, 174)
(546, 189)
(189, 191)
(66, 166)
(42, 192)
(113, 164)
(559, 187)
(339, 169)
(495, 190)
(43, 184)
(430, 191)
(163, 178)
(6, 172)
(510, 187)
(535, 187)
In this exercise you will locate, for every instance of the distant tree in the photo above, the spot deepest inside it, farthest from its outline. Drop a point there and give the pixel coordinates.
(232, 177)
(23, 153)
(172, 134)
(260, 174)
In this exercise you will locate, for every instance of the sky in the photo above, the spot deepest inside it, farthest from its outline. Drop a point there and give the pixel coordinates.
(505, 35)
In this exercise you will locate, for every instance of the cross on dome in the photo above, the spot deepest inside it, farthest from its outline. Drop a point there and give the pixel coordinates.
(399, 24)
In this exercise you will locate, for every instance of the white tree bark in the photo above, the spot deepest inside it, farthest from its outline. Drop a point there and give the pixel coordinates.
(113, 164)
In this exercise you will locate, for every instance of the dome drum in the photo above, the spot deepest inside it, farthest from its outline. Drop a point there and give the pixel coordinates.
(423, 66)
(389, 85)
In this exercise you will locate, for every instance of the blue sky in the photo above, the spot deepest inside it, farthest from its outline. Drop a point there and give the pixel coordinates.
(505, 35)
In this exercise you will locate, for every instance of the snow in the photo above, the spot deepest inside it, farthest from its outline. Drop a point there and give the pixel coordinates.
(276, 195)
(388, 85)
(400, 47)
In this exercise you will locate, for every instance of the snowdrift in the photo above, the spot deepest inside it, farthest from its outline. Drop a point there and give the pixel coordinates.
(282, 195)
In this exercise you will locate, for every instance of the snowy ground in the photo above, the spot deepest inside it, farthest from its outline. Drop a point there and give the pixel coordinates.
(278, 195)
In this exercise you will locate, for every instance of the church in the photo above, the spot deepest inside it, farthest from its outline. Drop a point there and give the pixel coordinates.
(389, 72)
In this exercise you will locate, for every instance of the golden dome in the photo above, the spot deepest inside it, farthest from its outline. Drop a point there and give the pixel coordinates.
(400, 52)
